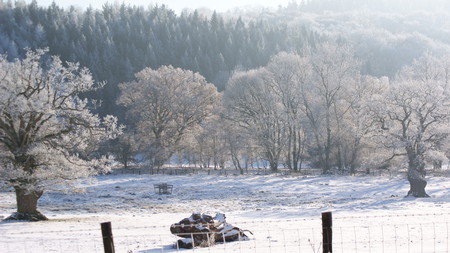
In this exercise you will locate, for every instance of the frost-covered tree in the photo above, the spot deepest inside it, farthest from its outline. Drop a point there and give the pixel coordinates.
(288, 73)
(167, 104)
(299, 102)
(209, 143)
(358, 148)
(45, 127)
(124, 148)
(334, 69)
(414, 115)
(251, 102)
(239, 146)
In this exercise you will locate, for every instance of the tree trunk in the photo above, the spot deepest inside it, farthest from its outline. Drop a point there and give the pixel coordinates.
(417, 184)
(27, 205)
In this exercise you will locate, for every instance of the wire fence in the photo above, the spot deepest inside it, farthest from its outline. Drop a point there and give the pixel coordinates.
(385, 233)
(70, 240)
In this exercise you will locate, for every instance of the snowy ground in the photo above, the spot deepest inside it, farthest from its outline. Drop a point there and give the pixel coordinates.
(370, 214)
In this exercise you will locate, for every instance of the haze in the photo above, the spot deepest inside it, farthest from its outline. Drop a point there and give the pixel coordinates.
(176, 5)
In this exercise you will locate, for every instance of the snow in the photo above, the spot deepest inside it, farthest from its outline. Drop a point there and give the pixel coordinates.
(370, 214)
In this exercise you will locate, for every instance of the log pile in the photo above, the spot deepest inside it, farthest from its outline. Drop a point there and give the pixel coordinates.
(201, 230)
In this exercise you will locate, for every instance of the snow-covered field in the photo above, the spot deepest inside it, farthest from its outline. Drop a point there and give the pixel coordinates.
(370, 214)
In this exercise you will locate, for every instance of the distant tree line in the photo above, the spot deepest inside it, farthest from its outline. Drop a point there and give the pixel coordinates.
(315, 106)
(120, 40)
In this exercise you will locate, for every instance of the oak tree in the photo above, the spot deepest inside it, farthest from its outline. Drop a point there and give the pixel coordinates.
(46, 128)
(166, 105)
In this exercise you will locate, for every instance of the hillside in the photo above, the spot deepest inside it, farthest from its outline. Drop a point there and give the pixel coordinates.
(120, 40)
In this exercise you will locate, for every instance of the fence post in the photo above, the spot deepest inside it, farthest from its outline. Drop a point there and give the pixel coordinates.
(108, 242)
(327, 233)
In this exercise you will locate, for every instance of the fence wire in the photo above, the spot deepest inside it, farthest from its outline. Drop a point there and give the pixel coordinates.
(388, 233)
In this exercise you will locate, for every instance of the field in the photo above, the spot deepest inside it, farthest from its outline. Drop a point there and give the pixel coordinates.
(370, 214)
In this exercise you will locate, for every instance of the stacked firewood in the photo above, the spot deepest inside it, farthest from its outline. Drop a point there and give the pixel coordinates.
(201, 230)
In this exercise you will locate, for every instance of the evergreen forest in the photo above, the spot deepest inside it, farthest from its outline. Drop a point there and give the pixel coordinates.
(119, 40)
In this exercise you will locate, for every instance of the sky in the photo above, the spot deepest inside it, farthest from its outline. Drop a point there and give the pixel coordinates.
(177, 5)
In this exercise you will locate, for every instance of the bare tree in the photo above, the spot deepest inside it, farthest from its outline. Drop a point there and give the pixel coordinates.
(253, 106)
(124, 148)
(45, 127)
(166, 105)
(210, 143)
(360, 125)
(288, 73)
(414, 115)
(333, 68)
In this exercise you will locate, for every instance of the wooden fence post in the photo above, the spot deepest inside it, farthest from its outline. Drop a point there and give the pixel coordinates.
(108, 242)
(327, 232)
